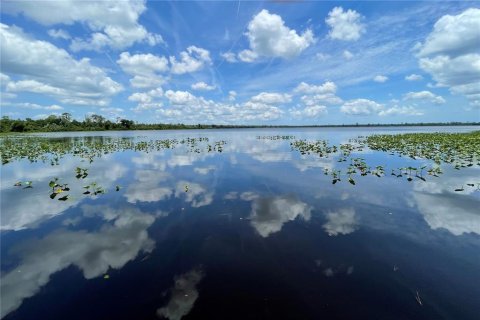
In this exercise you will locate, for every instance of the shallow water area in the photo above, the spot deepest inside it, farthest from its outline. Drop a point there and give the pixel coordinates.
(237, 224)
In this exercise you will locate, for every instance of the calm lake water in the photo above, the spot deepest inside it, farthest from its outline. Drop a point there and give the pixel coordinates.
(256, 231)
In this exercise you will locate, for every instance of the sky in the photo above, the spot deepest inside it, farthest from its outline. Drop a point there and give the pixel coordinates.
(242, 62)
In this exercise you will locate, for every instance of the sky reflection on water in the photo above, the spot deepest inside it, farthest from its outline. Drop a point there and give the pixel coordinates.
(256, 231)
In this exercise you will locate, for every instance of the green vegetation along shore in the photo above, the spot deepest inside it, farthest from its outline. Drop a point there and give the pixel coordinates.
(65, 122)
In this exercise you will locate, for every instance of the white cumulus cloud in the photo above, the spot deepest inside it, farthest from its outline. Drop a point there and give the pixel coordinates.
(450, 54)
(147, 69)
(59, 34)
(396, 110)
(112, 24)
(180, 97)
(270, 37)
(144, 64)
(328, 98)
(202, 86)
(424, 96)
(229, 57)
(327, 87)
(454, 35)
(191, 60)
(309, 112)
(187, 108)
(380, 78)
(318, 94)
(413, 77)
(146, 97)
(49, 70)
(361, 107)
(247, 55)
(345, 25)
(271, 98)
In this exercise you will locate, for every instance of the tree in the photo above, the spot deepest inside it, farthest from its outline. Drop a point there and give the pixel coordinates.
(66, 117)
(5, 124)
(97, 119)
(127, 124)
(18, 126)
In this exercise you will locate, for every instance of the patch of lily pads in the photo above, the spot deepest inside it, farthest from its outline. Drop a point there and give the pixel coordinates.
(461, 150)
(51, 150)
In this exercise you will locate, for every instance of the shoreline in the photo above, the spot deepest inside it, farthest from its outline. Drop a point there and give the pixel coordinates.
(165, 127)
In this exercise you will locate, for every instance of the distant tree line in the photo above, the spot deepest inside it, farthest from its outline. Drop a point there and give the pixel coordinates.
(94, 122)
(64, 122)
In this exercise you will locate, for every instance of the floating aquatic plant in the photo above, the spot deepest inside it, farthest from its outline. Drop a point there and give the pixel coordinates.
(81, 173)
(52, 150)
(462, 150)
(27, 184)
(94, 189)
(58, 188)
(277, 137)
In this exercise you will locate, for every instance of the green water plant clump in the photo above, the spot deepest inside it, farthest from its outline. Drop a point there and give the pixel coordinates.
(320, 147)
(276, 137)
(37, 148)
(460, 149)
(59, 189)
(52, 150)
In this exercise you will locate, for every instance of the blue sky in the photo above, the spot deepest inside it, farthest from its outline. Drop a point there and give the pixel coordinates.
(238, 62)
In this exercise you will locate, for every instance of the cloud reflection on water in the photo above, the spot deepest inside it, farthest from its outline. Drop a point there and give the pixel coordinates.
(118, 241)
(443, 208)
(341, 222)
(182, 296)
(197, 195)
(146, 187)
(269, 214)
(26, 208)
(153, 186)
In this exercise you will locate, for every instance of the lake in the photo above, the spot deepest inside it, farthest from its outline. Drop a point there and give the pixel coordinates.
(236, 224)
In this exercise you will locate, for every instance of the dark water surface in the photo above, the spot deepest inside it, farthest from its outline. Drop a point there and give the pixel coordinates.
(256, 231)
